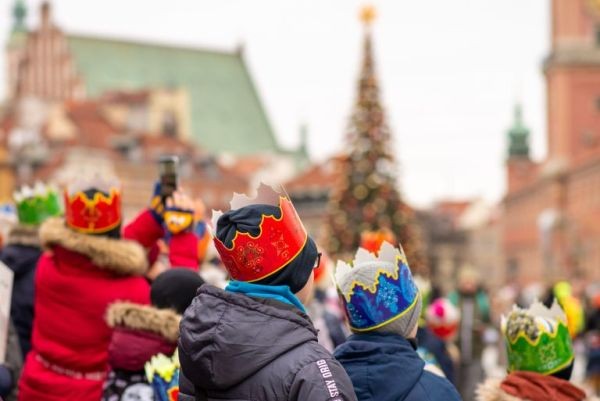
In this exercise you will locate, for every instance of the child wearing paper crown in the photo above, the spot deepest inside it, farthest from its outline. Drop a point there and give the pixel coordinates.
(86, 267)
(143, 331)
(383, 306)
(22, 251)
(253, 340)
(540, 358)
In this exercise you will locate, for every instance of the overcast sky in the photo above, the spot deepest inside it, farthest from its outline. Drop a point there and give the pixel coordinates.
(451, 71)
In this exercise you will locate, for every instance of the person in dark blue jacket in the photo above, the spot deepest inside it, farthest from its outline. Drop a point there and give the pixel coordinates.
(383, 305)
(22, 251)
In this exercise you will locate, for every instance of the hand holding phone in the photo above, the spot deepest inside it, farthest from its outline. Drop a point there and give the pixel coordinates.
(167, 168)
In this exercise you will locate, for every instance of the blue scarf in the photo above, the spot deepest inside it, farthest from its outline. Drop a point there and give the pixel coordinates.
(281, 293)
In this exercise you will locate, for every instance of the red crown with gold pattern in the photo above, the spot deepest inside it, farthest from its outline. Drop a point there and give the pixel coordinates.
(278, 243)
(96, 215)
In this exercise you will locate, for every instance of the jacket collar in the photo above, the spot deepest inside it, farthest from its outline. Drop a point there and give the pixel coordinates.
(386, 338)
(22, 234)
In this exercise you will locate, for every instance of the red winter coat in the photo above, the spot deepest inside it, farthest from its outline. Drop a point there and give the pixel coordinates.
(183, 248)
(75, 282)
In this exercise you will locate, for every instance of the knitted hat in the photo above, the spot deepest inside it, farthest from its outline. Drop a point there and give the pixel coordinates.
(175, 289)
(442, 318)
(263, 241)
(537, 339)
(378, 292)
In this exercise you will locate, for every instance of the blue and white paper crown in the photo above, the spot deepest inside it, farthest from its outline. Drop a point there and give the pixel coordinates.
(386, 296)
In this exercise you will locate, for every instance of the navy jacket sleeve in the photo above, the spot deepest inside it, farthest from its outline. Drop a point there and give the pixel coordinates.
(323, 380)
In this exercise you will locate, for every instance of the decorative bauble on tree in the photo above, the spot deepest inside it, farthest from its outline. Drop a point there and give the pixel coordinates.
(365, 198)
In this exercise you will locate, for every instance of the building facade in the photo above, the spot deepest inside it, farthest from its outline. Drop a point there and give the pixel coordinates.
(551, 219)
(79, 103)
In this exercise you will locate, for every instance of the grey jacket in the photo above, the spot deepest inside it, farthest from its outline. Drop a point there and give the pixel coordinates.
(233, 347)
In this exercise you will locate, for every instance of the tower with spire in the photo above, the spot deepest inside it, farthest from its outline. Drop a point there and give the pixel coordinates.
(15, 46)
(521, 169)
(365, 197)
(518, 136)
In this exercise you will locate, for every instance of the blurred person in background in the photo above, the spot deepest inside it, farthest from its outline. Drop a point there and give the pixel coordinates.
(438, 333)
(593, 343)
(540, 358)
(383, 306)
(22, 251)
(254, 340)
(563, 292)
(324, 309)
(10, 369)
(143, 331)
(8, 218)
(473, 304)
(87, 267)
(172, 231)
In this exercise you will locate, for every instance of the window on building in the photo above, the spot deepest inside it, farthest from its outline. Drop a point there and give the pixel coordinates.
(169, 124)
(589, 139)
(512, 269)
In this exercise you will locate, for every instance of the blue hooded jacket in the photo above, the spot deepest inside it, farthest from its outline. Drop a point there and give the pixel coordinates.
(386, 367)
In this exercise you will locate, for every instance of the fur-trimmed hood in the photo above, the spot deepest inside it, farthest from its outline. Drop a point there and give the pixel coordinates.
(490, 390)
(121, 256)
(163, 322)
(23, 234)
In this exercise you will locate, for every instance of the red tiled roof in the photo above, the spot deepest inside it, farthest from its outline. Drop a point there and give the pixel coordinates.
(126, 97)
(452, 207)
(93, 128)
(246, 166)
(318, 177)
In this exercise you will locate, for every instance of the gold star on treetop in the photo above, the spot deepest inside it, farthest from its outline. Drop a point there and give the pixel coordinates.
(368, 14)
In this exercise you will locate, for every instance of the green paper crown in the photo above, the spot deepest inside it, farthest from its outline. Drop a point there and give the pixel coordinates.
(537, 339)
(34, 205)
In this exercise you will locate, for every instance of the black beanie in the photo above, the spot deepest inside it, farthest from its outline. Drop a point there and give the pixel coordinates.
(175, 289)
(247, 220)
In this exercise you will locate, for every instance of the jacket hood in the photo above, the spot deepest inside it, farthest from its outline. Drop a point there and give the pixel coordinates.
(140, 332)
(163, 322)
(22, 234)
(118, 255)
(370, 358)
(521, 386)
(227, 337)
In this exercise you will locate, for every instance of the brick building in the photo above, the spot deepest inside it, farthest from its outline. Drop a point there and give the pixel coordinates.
(551, 223)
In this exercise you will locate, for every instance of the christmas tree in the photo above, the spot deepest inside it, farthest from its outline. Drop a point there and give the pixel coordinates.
(365, 197)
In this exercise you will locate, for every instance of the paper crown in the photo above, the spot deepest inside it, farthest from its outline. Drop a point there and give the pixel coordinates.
(442, 318)
(390, 295)
(278, 242)
(162, 373)
(96, 215)
(34, 205)
(537, 339)
(372, 240)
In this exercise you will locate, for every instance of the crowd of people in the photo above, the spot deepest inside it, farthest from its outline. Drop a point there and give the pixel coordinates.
(169, 307)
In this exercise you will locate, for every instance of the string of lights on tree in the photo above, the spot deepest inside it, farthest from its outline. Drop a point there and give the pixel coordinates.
(365, 197)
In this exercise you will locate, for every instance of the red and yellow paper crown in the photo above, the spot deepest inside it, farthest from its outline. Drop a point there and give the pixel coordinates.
(100, 214)
(278, 243)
